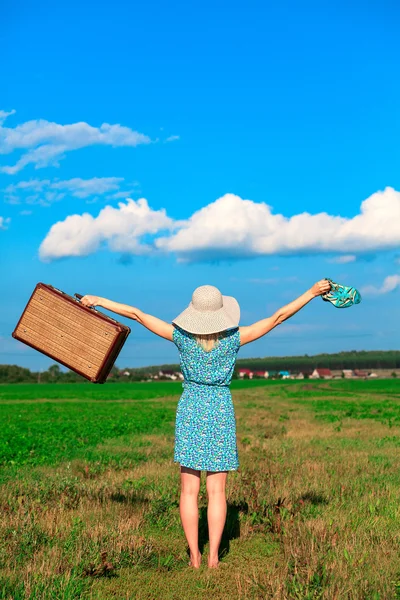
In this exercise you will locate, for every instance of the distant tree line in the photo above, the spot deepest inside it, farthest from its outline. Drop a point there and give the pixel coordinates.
(16, 374)
(343, 360)
(362, 360)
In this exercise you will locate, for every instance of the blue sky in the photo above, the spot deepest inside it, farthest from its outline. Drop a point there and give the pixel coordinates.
(148, 148)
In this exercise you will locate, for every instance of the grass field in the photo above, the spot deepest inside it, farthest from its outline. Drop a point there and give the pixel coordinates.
(89, 494)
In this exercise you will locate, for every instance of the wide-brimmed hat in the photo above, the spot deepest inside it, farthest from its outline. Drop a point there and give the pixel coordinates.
(209, 312)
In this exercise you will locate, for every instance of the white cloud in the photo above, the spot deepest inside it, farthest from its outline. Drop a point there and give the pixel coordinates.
(346, 258)
(120, 195)
(389, 284)
(120, 228)
(4, 114)
(45, 143)
(82, 188)
(25, 213)
(47, 191)
(36, 185)
(234, 228)
(4, 222)
(172, 138)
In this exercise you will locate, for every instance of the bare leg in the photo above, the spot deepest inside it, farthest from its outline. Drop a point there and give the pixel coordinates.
(216, 512)
(190, 486)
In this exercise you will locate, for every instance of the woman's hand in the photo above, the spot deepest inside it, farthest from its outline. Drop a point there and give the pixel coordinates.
(321, 287)
(90, 300)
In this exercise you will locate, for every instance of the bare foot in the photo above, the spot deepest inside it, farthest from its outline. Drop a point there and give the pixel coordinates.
(213, 563)
(195, 562)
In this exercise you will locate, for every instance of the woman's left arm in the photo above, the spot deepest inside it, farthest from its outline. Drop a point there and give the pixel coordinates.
(157, 326)
(257, 330)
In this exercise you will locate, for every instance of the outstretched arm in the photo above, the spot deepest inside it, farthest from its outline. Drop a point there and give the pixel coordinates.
(260, 328)
(157, 326)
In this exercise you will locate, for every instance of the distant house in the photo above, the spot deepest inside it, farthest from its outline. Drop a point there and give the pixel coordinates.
(284, 374)
(303, 375)
(372, 375)
(321, 374)
(347, 373)
(261, 374)
(298, 376)
(359, 373)
(245, 373)
(168, 375)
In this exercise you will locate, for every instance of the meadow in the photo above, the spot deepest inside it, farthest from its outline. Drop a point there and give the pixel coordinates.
(89, 494)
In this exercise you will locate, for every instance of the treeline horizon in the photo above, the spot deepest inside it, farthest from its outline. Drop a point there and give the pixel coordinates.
(355, 359)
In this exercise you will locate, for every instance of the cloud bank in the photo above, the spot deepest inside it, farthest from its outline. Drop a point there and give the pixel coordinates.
(232, 227)
(44, 143)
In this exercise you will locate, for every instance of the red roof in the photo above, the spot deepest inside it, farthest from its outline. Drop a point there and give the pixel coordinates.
(323, 371)
(245, 371)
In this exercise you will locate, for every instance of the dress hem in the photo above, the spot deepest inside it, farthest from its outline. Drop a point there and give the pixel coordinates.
(197, 468)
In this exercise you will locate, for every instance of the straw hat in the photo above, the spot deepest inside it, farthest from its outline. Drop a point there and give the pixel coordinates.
(209, 312)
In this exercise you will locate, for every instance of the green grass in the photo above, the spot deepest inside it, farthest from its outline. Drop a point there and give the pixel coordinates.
(87, 391)
(90, 494)
(109, 391)
(46, 433)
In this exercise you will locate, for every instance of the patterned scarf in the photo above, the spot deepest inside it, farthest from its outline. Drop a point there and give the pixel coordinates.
(341, 296)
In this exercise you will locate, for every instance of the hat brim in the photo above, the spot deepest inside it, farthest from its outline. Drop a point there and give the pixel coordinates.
(207, 322)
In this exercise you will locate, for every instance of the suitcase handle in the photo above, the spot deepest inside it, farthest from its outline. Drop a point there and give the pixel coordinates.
(79, 296)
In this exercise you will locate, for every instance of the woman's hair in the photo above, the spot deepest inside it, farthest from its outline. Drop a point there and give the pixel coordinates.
(209, 341)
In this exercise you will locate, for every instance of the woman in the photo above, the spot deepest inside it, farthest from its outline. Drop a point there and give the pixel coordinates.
(208, 337)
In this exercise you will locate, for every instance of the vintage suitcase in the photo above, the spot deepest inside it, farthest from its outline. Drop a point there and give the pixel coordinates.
(81, 338)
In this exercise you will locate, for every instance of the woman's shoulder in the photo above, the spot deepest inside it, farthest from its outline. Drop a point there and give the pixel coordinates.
(180, 335)
(231, 336)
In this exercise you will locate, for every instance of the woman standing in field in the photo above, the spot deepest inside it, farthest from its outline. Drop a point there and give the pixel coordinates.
(208, 337)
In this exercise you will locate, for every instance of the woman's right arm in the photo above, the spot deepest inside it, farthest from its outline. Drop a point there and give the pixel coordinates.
(157, 326)
(260, 328)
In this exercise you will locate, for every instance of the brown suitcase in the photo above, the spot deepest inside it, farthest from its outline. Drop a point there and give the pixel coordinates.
(80, 338)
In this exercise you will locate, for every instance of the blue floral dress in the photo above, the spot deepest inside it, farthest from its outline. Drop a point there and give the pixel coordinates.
(205, 431)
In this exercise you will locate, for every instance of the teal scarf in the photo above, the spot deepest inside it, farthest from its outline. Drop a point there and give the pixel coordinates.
(341, 296)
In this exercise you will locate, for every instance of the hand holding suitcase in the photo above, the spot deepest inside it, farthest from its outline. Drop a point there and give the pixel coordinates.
(81, 338)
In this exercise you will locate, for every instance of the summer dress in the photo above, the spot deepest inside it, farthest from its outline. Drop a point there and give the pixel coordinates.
(205, 430)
